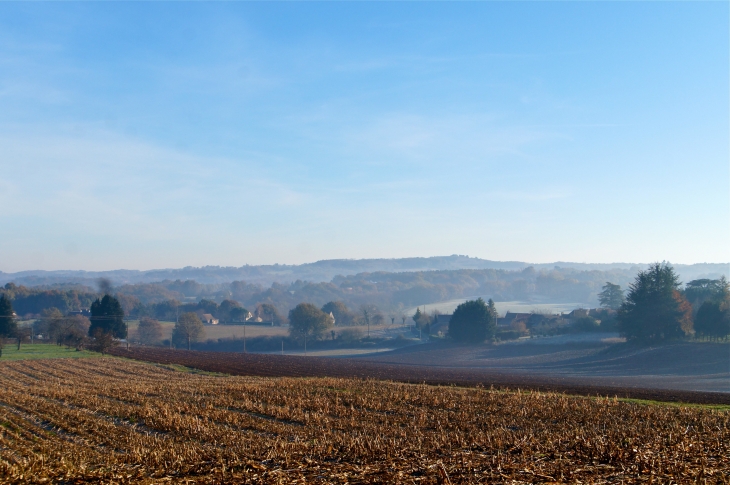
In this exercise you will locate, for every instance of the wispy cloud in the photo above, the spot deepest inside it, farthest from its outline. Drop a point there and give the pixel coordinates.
(99, 175)
(459, 139)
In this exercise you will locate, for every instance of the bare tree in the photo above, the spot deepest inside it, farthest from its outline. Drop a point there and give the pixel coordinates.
(366, 316)
(371, 315)
(23, 333)
(188, 329)
(69, 330)
(149, 331)
(103, 341)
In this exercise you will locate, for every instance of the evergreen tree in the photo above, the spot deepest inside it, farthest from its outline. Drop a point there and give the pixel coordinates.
(8, 325)
(700, 291)
(472, 321)
(423, 321)
(712, 321)
(417, 316)
(653, 309)
(107, 315)
(492, 311)
(611, 297)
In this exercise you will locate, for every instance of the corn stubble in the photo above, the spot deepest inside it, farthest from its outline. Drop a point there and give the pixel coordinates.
(114, 421)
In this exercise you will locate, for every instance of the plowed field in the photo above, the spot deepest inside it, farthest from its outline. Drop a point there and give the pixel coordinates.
(295, 366)
(115, 421)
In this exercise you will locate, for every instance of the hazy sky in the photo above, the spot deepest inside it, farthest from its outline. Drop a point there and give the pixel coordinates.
(147, 135)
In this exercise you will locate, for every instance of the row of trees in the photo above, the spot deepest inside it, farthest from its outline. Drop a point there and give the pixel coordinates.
(100, 330)
(306, 321)
(188, 329)
(105, 324)
(657, 308)
(472, 321)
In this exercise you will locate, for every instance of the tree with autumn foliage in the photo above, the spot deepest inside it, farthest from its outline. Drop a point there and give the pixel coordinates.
(654, 309)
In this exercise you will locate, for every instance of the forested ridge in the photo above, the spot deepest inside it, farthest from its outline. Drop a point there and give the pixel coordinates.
(326, 270)
(389, 291)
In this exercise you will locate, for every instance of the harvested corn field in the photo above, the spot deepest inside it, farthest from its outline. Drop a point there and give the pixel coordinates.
(91, 420)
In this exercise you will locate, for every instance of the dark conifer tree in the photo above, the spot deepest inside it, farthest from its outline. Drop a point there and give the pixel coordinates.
(107, 315)
(473, 321)
(653, 310)
(8, 325)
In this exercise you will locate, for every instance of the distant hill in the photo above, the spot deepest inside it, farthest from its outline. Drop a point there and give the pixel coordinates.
(326, 270)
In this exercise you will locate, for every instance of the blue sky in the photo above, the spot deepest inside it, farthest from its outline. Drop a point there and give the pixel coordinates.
(148, 135)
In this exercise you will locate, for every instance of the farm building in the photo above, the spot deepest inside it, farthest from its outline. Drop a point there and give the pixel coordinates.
(440, 325)
(577, 313)
(208, 319)
(510, 318)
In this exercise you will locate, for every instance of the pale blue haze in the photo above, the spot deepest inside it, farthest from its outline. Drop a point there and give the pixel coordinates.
(149, 135)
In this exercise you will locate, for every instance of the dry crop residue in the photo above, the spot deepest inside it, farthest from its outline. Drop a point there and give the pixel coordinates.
(123, 422)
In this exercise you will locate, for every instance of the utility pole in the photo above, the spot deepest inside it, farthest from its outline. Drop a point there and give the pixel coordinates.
(177, 316)
(305, 344)
(244, 337)
(282, 346)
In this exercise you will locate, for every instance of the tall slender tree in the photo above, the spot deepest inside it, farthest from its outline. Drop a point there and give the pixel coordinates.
(8, 325)
(107, 315)
(492, 312)
(612, 296)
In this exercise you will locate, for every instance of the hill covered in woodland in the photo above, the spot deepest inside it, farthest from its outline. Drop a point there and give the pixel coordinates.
(326, 270)
(403, 286)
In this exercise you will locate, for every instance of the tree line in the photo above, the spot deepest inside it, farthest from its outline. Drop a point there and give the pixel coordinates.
(98, 332)
(656, 307)
(391, 292)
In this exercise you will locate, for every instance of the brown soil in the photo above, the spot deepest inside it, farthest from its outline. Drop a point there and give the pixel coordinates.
(404, 366)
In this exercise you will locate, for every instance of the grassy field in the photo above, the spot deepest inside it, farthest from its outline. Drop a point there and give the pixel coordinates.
(42, 351)
(117, 421)
(220, 331)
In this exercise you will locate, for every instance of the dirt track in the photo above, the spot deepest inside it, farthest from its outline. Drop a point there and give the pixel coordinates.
(275, 365)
